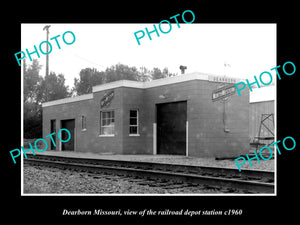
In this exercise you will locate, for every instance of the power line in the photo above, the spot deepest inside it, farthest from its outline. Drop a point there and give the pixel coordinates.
(87, 60)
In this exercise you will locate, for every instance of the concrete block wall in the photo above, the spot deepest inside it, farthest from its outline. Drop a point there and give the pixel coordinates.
(72, 110)
(88, 140)
(113, 144)
(133, 98)
(206, 126)
(206, 136)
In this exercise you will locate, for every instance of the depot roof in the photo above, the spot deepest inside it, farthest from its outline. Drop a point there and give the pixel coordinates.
(144, 85)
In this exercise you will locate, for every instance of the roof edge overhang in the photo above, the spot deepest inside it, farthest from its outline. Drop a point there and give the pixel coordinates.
(68, 100)
(145, 85)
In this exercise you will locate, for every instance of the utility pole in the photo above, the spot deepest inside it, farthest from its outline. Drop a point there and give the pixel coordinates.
(47, 56)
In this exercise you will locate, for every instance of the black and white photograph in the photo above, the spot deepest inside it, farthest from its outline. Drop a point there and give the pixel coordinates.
(132, 114)
(162, 116)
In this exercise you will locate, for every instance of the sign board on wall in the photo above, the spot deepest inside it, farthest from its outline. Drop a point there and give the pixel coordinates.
(223, 79)
(107, 98)
(223, 92)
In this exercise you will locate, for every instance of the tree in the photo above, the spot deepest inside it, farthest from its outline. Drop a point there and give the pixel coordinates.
(166, 73)
(88, 78)
(52, 87)
(121, 72)
(156, 73)
(144, 74)
(32, 120)
(37, 90)
(31, 80)
(32, 108)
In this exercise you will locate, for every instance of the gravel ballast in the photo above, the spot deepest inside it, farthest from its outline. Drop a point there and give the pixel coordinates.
(45, 180)
(267, 165)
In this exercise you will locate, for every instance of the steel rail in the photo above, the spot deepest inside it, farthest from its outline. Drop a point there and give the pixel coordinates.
(249, 186)
(266, 176)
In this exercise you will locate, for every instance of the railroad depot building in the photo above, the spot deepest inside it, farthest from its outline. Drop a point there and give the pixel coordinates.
(181, 115)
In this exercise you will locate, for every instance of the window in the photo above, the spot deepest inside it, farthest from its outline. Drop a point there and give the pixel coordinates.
(83, 123)
(107, 123)
(134, 122)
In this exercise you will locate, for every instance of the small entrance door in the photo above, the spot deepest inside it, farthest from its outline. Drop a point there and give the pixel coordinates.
(70, 125)
(171, 128)
(53, 130)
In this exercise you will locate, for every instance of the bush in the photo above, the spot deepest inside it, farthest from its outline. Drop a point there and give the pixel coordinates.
(32, 120)
(32, 127)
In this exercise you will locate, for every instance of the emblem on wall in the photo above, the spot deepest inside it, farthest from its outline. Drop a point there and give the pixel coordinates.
(107, 98)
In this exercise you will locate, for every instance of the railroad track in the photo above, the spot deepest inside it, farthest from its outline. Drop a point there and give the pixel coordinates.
(247, 181)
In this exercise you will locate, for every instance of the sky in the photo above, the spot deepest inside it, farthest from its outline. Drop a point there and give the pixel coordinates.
(249, 49)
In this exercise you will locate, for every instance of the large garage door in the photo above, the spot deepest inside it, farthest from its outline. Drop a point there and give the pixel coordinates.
(171, 128)
(70, 125)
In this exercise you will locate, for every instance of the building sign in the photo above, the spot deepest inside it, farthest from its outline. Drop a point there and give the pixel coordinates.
(107, 98)
(223, 92)
(223, 79)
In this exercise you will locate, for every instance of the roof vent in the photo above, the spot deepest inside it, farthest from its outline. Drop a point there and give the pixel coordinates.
(182, 68)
